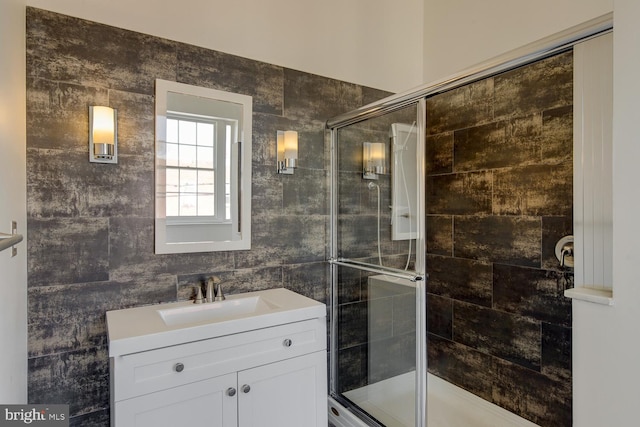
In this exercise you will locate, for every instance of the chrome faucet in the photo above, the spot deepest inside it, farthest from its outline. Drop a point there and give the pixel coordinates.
(210, 295)
(199, 298)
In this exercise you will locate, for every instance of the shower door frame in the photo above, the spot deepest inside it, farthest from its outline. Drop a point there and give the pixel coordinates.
(417, 276)
(527, 54)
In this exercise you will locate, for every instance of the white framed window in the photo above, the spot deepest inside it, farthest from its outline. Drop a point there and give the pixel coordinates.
(198, 170)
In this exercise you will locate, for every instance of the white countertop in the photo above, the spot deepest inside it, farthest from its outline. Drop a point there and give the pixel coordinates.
(139, 329)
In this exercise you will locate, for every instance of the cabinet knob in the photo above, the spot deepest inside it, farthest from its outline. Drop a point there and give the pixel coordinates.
(246, 388)
(287, 342)
(179, 367)
(231, 391)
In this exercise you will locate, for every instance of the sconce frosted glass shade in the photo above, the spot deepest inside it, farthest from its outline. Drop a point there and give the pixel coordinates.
(103, 134)
(287, 148)
(373, 159)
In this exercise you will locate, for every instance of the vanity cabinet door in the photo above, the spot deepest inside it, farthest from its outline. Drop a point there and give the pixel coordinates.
(290, 393)
(208, 403)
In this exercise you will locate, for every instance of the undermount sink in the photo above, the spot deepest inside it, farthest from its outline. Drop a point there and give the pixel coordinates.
(139, 329)
(216, 311)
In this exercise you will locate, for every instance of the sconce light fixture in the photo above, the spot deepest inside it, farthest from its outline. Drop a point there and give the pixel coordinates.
(372, 159)
(287, 147)
(103, 135)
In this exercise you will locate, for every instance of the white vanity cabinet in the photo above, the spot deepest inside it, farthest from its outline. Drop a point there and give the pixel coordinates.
(274, 376)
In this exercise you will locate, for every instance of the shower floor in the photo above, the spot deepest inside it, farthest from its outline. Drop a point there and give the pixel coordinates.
(391, 402)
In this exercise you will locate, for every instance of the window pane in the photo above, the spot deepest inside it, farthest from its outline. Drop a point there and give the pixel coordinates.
(173, 181)
(205, 134)
(205, 182)
(188, 181)
(205, 157)
(172, 154)
(188, 156)
(172, 130)
(206, 205)
(172, 205)
(187, 132)
(188, 203)
(227, 214)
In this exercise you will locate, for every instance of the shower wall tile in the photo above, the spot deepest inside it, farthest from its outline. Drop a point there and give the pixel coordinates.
(65, 250)
(543, 85)
(536, 190)
(391, 357)
(501, 144)
(72, 317)
(77, 378)
(528, 393)
(507, 240)
(507, 336)
(557, 135)
(556, 352)
(440, 153)
(439, 235)
(353, 319)
(461, 279)
(87, 189)
(352, 365)
(312, 97)
(459, 194)
(58, 113)
(92, 419)
(537, 294)
(440, 316)
(307, 194)
(309, 280)
(350, 289)
(461, 365)
(72, 50)
(136, 123)
(460, 108)
(217, 70)
(494, 280)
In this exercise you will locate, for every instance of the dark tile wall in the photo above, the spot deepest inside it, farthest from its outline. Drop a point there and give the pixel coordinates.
(91, 244)
(499, 195)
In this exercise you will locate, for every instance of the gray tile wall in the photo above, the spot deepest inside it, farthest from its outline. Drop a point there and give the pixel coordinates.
(90, 241)
(499, 195)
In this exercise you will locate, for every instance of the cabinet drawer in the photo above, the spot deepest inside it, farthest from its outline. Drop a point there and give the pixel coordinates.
(149, 371)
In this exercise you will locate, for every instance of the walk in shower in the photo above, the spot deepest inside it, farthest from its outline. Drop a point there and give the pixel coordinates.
(447, 305)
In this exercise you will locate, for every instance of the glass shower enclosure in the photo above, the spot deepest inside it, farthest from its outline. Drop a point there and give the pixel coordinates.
(378, 309)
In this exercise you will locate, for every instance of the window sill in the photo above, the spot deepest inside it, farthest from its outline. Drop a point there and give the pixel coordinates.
(594, 295)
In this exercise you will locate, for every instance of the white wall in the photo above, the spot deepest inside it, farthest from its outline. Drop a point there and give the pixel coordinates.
(376, 43)
(13, 271)
(606, 342)
(461, 33)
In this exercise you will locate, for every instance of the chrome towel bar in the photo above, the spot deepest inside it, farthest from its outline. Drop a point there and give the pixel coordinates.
(9, 240)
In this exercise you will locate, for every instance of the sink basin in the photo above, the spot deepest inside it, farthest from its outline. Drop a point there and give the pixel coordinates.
(138, 329)
(216, 311)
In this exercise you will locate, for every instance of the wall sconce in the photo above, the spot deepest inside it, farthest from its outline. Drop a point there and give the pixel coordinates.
(287, 147)
(372, 159)
(103, 135)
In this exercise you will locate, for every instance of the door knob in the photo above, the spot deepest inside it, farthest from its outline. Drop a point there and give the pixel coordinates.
(246, 388)
(231, 392)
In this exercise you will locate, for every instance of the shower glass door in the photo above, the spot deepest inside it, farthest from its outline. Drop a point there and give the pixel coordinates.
(377, 256)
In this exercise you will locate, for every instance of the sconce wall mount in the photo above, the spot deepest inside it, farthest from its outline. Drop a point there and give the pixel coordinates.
(373, 160)
(103, 134)
(287, 151)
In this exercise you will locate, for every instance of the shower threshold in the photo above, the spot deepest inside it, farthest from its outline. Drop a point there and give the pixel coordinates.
(392, 403)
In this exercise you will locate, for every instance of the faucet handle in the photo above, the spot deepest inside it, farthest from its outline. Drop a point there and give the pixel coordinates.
(219, 294)
(199, 298)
